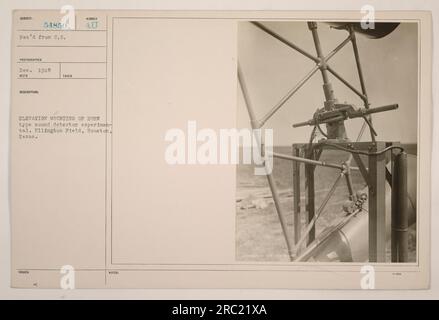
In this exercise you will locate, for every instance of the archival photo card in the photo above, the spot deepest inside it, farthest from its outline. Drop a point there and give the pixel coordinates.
(154, 149)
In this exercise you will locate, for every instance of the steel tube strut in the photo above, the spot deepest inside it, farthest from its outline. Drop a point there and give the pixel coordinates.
(289, 95)
(296, 196)
(357, 62)
(285, 41)
(329, 93)
(310, 190)
(336, 129)
(306, 160)
(338, 48)
(363, 89)
(377, 204)
(321, 64)
(347, 84)
(311, 224)
(251, 112)
(400, 221)
(271, 182)
(361, 77)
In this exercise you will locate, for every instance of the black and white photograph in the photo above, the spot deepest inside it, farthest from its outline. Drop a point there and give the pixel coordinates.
(341, 99)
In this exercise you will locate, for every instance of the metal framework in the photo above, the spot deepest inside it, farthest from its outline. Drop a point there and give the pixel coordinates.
(375, 174)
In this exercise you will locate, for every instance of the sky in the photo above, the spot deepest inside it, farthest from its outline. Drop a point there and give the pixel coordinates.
(271, 69)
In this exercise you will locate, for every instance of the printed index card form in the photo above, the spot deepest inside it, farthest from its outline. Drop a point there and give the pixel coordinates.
(59, 126)
(111, 185)
(91, 107)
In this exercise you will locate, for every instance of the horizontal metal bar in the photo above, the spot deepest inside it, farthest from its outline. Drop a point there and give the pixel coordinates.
(388, 107)
(289, 95)
(305, 160)
(347, 84)
(314, 122)
(285, 41)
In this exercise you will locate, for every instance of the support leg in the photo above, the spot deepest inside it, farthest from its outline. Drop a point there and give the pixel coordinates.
(377, 205)
(310, 194)
(399, 233)
(296, 195)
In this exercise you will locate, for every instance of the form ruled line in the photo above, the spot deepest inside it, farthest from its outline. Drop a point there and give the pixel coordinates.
(46, 46)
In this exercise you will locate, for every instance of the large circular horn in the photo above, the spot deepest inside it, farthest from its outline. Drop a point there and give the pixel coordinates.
(380, 30)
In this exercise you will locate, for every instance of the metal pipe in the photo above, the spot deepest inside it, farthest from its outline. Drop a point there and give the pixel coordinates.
(360, 134)
(399, 235)
(311, 224)
(282, 216)
(361, 77)
(310, 191)
(253, 120)
(346, 83)
(349, 182)
(357, 62)
(306, 160)
(329, 93)
(288, 95)
(271, 182)
(314, 122)
(285, 41)
(363, 111)
(377, 201)
(343, 112)
(338, 48)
